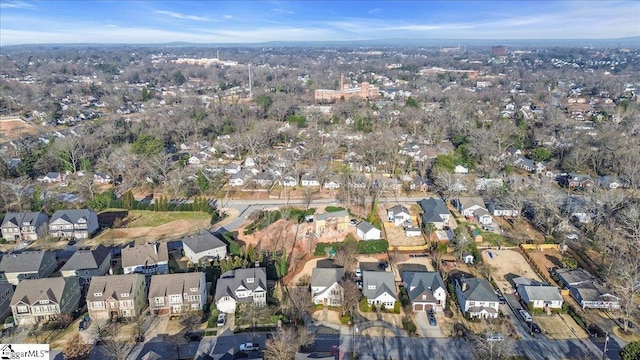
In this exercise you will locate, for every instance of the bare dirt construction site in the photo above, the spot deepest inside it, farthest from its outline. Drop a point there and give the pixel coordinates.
(13, 127)
(395, 235)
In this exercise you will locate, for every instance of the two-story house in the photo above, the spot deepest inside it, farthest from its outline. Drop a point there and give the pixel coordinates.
(116, 296)
(399, 215)
(173, 294)
(36, 300)
(325, 286)
(151, 258)
(85, 264)
(24, 226)
(337, 221)
(426, 290)
(379, 288)
(6, 293)
(434, 211)
(241, 286)
(203, 246)
(27, 265)
(79, 224)
(476, 298)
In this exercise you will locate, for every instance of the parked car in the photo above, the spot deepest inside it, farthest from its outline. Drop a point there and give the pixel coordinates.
(193, 336)
(71, 243)
(383, 265)
(525, 315)
(81, 326)
(495, 337)
(630, 324)
(432, 318)
(358, 273)
(353, 222)
(222, 317)
(502, 299)
(249, 347)
(535, 328)
(596, 331)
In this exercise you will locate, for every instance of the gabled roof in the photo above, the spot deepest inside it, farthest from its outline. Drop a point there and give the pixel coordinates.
(232, 280)
(365, 226)
(325, 216)
(202, 241)
(574, 276)
(87, 259)
(468, 202)
(179, 283)
(113, 286)
(398, 209)
(24, 262)
(30, 291)
(478, 290)
(418, 282)
(72, 216)
(147, 254)
(18, 219)
(432, 209)
(325, 277)
(383, 281)
(539, 292)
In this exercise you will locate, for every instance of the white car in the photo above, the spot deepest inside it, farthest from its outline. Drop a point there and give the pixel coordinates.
(221, 319)
(358, 273)
(249, 347)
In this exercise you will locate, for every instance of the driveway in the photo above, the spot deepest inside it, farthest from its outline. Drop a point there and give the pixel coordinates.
(426, 330)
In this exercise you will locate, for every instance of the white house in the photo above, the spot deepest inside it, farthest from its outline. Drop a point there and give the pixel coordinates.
(325, 286)
(308, 180)
(483, 216)
(426, 290)
(332, 185)
(203, 246)
(468, 205)
(399, 215)
(232, 168)
(541, 296)
(150, 258)
(379, 288)
(366, 231)
(459, 169)
(241, 286)
(476, 298)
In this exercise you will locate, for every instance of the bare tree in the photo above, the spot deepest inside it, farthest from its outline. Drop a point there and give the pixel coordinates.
(297, 304)
(346, 255)
(351, 295)
(76, 349)
(286, 342)
(493, 343)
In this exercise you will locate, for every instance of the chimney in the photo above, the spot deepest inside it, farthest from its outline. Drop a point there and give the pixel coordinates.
(341, 81)
(464, 286)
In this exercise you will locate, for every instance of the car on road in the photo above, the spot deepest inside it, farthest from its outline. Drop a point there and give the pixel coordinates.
(630, 324)
(432, 318)
(572, 236)
(249, 347)
(71, 243)
(525, 315)
(535, 328)
(358, 273)
(193, 336)
(502, 299)
(222, 317)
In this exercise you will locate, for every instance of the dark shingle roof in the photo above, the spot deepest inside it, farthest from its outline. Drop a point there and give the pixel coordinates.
(87, 259)
(31, 290)
(478, 290)
(421, 281)
(231, 280)
(202, 241)
(365, 227)
(73, 216)
(432, 208)
(28, 261)
(383, 281)
(326, 276)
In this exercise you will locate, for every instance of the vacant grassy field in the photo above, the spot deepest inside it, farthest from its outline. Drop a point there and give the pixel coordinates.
(144, 218)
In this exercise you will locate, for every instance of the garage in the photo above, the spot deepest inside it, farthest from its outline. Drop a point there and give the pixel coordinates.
(418, 307)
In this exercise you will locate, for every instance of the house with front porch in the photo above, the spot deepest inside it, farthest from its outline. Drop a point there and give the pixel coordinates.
(241, 286)
(399, 215)
(36, 300)
(540, 296)
(326, 287)
(476, 298)
(116, 296)
(379, 288)
(434, 211)
(150, 258)
(175, 294)
(17, 267)
(27, 226)
(78, 224)
(337, 221)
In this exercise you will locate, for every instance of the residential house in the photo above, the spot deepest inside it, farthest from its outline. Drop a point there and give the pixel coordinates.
(577, 207)
(579, 181)
(526, 164)
(468, 206)
(459, 169)
(540, 296)
(366, 231)
(203, 246)
(151, 258)
(337, 221)
(410, 231)
(594, 296)
(573, 277)
(14, 268)
(102, 178)
(6, 293)
(51, 177)
(497, 208)
(239, 178)
(36, 300)
(241, 286)
(116, 296)
(512, 151)
(232, 168)
(379, 288)
(399, 215)
(289, 181)
(79, 224)
(27, 226)
(198, 159)
(308, 180)
(264, 179)
(609, 182)
(326, 287)
(173, 294)
(434, 211)
(332, 185)
(86, 264)
(476, 298)
(483, 217)
(426, 290)
(486, 184)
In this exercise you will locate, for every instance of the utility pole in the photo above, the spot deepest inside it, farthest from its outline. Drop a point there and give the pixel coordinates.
(604, 349)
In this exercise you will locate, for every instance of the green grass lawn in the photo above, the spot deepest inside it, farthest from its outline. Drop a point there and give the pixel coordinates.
(494, 239)
(143, 218)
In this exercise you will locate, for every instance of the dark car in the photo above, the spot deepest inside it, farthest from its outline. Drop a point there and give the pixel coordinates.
(193, 336)
(81, 326)
(630, 324)
(71, 243)
(502, 299)
(535, 328)
(383, 265)
(432, 318)
(596, 331)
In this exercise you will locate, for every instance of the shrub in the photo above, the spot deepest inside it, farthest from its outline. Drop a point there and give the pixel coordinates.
(333, 209)
(409, 326)
(346, 318)
(396, 307)
(364, 305)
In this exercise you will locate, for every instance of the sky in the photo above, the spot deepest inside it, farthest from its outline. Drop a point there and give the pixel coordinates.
(145, 22)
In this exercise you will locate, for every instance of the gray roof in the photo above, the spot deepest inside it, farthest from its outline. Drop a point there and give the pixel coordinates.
(18, 219)
(573, 277)
(326, 277)
(432, 208)
(232, 280)
(539, 292)
(87, 259)
(478, 290)
(467, 202)
(383, 281)
(421, 281)
(24, 262)
(202, 241)
(29, 291)
(325, 216)
(73, 216)
(180, 283)
(594, 292)
(398, 209)
(365, 227)
(113, 286)
(147, 254)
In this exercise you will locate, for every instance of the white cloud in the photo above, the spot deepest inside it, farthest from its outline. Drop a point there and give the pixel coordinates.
(282, 11)
(178, 15)
(112, 25)
(374, 11)
(10, 4)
